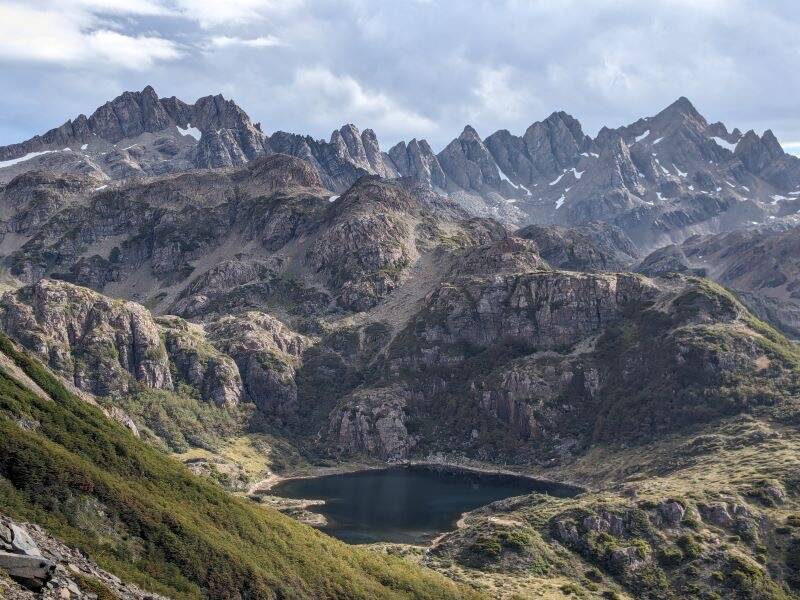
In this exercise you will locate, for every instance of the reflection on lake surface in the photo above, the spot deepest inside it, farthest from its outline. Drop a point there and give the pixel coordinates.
(408, 504)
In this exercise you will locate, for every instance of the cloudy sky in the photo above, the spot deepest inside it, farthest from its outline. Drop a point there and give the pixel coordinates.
(407, 68)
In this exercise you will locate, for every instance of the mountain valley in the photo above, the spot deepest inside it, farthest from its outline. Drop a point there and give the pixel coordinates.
(192, 309)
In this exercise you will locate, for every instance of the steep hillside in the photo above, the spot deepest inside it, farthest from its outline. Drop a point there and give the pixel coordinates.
(535, 367)
(144, 517)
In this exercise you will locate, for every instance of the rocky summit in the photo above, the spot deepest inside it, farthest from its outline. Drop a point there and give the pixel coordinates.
(193, 309)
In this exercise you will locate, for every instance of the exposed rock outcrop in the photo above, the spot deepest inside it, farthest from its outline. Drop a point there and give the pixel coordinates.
(199, 364)
(100, 344)
(50, 570)
(267, 354)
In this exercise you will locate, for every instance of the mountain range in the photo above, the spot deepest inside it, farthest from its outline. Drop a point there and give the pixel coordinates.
(180, 287)
(661, 179)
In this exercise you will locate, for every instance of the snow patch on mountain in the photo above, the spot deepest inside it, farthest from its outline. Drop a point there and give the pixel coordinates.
(723, 143)
(192, 131)
(30, 155)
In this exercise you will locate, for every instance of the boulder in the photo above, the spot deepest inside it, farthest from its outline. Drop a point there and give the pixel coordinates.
(671, 512)
(31, 571)
(22, 543)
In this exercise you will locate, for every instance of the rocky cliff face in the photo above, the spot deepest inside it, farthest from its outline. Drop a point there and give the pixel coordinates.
(348, 155)
(544, 364)
(199, 364)
(267, 354)
(468, 164)
(545, 150)
(104, 346)
(417, 161)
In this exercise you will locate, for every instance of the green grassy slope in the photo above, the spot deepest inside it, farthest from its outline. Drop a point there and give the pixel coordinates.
(144, 517)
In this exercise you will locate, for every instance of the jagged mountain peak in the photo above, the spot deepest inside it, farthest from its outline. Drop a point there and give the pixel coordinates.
(680, 113)
(674, 154)
(469, 134)
(681, 106)
(764, 155)
(772, 142)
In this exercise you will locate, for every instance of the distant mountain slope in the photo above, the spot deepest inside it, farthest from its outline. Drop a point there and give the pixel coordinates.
(144, 517)
(761, 265)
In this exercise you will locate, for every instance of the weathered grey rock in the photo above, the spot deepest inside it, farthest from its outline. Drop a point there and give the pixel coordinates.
(417, 161)
(22, 543)
(717, 514)
(671, 512)
(348, 155)
(371, 424)
(567, 532)
(544, 151)
(199, 364)
(626, 559)
(596, 524)
(367, 243)
(547, 309)
(123, 418)
(508, 255)
(32, 571)
(612, 186)
(53, 575)
(266, 353)
(469, 165)
(593, 247)
(761, 265)
(6, 536)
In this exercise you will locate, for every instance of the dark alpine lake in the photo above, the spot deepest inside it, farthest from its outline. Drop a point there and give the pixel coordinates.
(408, 504)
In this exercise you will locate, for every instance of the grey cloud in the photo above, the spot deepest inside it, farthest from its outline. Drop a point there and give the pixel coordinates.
(425, 69)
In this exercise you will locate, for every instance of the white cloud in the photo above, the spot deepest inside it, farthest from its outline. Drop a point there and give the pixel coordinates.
(214, 13)
(492, 64)
(66, 37)
(131, 52)
(502, 96)
(791, 147)
(258, 42)
(121, 7)
(335, 99)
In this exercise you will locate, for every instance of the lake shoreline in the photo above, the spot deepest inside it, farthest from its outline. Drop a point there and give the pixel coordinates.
(266, 489)
(273, 480)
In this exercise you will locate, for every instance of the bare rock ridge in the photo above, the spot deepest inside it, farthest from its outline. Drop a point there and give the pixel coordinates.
(139, 134)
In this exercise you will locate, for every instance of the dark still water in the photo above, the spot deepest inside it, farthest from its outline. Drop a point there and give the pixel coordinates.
(409, 504)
